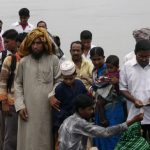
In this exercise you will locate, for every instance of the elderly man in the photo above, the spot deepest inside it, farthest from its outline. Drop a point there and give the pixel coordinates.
(38, 73)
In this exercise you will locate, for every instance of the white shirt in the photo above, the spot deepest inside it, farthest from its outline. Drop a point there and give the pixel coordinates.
(129, 56)
(88, 55)
(136, 80)
(19, 28)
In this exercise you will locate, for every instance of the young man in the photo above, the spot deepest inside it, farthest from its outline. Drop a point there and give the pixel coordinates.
(23, 25)
(84, 67)
(75, 130)
(135, 83)
(86, 40)
(7, 91)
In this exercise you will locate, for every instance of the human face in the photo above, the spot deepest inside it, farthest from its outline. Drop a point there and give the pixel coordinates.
(76, 51)
(69, 80)
(37, 48)
(10, 45)
(24, 20)
(143, 57)
(98, 61)
(111, 68)
(87, 112)
(86, 43)
(42, 25)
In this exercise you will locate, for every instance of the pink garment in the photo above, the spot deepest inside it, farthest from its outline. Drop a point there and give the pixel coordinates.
(1, 43)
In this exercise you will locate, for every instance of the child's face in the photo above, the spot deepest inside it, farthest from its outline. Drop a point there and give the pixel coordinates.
(98, 61)
(111, 68)
(69, 80)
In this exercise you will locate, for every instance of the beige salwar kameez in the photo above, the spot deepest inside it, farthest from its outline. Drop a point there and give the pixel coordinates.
(35, 80)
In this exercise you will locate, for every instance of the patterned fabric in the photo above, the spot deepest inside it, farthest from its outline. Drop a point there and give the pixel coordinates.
(5, 72)
(41, 33)
(132, 139)
(74, 131)
(143, 33)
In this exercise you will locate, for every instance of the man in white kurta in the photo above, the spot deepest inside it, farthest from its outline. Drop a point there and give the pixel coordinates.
(36, 79)
(135, 83)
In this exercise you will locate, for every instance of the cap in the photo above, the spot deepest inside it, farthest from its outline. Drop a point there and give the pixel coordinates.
(67, 67)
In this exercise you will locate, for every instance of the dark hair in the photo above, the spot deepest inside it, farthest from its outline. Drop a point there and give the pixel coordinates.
(1, 21)
(142, 45)
(113, 59)
(96, 51)
(76, 42)
(21, 37)
(85, 34)
(57, 40)
(83, 101)
(41, 22)
(24, 12)
(10, 34)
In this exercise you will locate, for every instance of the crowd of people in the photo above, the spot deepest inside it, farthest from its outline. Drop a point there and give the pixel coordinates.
(50, 102)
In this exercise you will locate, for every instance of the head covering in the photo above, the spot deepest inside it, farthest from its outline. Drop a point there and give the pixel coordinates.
(142, 34)
(41, 33)
(132, 139)
(67, 68)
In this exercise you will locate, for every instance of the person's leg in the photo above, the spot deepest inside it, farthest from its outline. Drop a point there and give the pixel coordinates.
(101, 109)
(11, 126)
(146, 131)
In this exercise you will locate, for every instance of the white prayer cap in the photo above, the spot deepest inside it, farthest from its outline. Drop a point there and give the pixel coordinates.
(67, 68)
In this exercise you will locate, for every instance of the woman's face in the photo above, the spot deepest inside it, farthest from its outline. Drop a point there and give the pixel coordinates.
(98, 61)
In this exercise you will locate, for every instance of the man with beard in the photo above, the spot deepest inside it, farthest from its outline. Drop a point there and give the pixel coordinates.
(38, 74)
(83, 66)
(135, 83)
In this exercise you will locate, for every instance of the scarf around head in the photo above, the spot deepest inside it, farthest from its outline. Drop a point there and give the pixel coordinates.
(143, 33)
(41, 33)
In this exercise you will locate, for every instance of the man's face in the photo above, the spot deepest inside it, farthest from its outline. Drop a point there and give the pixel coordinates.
(143, 57)
(87, 112)
(37, 48)
(69, 80)
(10, 44)
(86, 43)
(42, 25)
(24, 20)
(1, 27)
(76, 51)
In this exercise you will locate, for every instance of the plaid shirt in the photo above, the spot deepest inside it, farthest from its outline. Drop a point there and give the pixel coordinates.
(75, 130)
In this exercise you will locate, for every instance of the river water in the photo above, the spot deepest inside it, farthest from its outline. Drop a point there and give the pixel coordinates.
(110, 21)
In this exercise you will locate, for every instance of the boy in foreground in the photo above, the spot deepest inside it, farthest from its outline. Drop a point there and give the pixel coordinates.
(75, 130)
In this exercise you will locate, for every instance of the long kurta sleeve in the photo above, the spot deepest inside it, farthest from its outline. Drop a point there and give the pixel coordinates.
(56, 75)
(88, 129)
(19, 103)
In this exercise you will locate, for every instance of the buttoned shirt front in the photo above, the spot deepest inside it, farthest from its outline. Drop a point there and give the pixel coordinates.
(136, 80)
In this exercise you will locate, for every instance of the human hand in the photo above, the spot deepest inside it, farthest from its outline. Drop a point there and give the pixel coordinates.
(23, 114)
(114, 80)
(6, 108)
(136, 118)
(138, 103)
(54, 103)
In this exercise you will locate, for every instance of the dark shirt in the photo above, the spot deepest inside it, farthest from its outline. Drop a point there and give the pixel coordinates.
(66, 94)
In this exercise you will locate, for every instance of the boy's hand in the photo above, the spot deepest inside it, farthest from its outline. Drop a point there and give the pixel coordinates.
(138, 103)
(54, 103)
(136, 118)
(23, 114)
